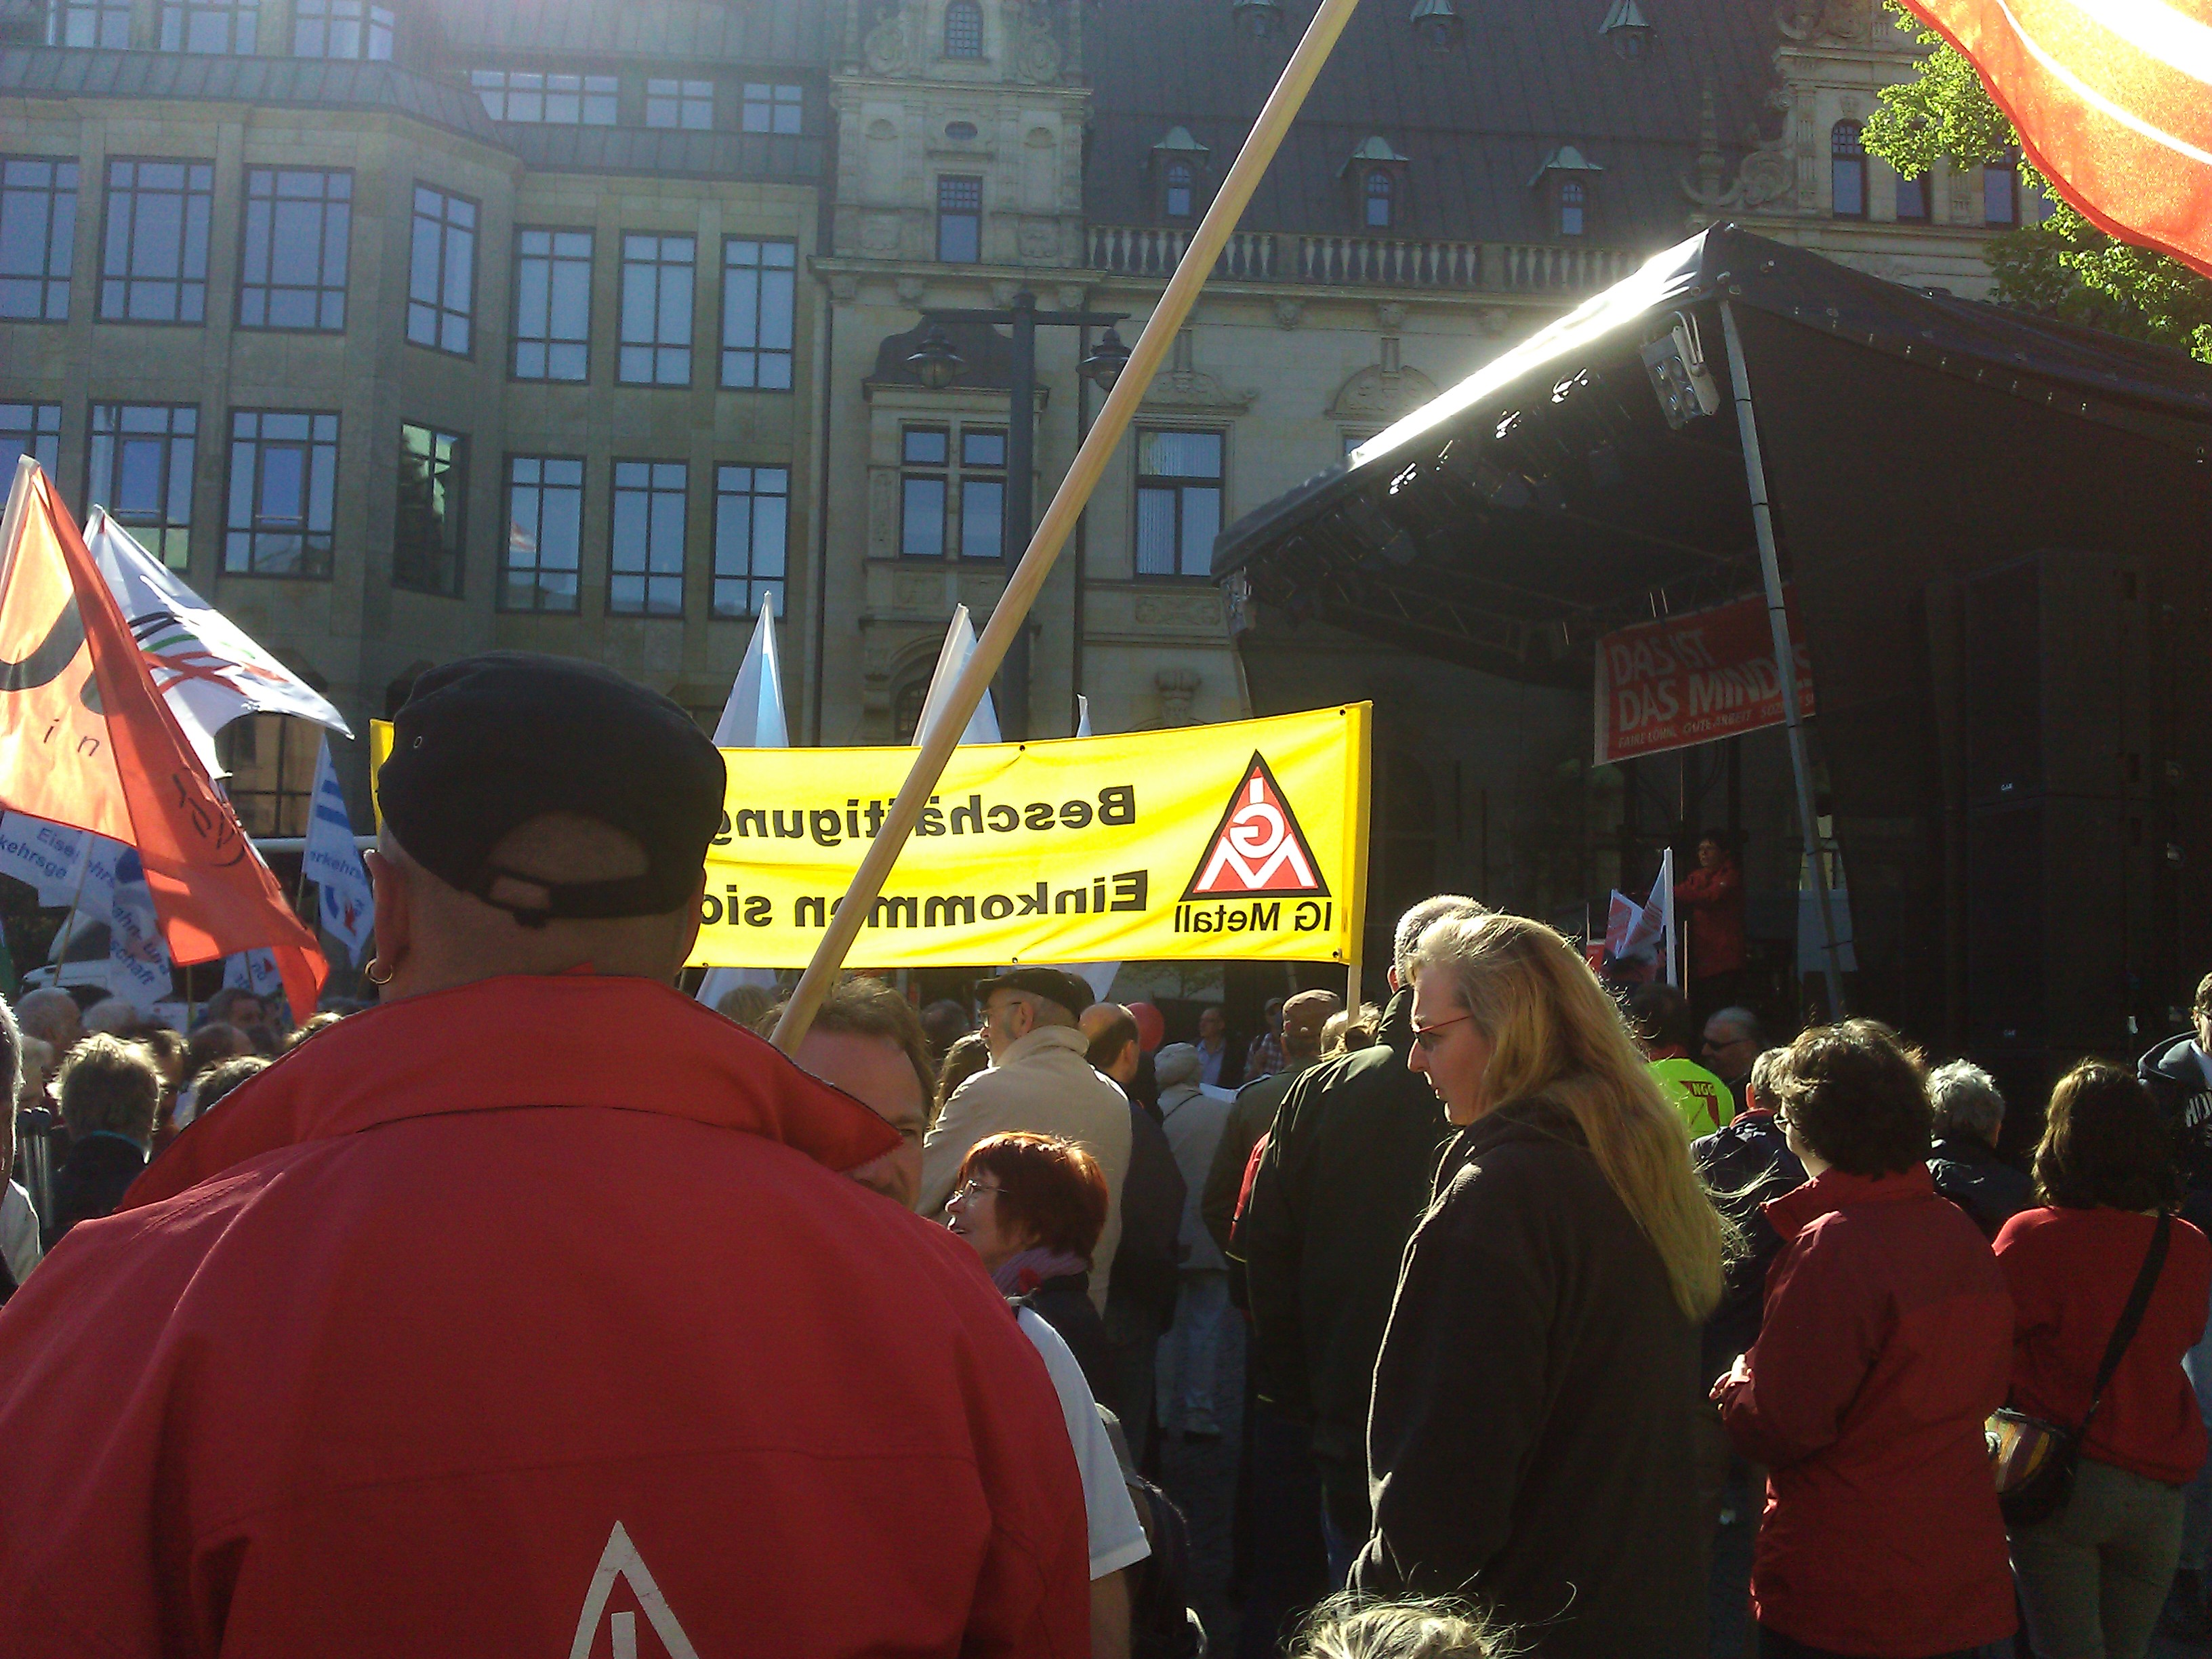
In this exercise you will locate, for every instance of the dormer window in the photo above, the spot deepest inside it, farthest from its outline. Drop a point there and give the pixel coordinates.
(1574, 198)
(1379, 195)
(964, 29)
(1180, 191)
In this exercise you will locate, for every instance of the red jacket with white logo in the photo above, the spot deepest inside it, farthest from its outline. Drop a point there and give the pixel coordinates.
(524, 1318)
(1887, 1341)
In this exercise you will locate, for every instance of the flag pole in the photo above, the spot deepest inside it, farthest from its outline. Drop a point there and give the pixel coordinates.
(1011, 614)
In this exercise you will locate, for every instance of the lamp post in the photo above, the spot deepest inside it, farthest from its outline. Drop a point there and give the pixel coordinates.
(937, 364)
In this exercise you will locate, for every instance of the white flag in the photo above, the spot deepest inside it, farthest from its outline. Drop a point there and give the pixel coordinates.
(332, 861)
(47, 856)
(205, 666)
(959, 646)
(254, 971)
(1663, 905)
(752, 719)
(1082, 716)
(138, 961)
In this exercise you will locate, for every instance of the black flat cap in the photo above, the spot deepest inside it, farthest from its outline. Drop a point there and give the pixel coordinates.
(487, 743)
(1053, 984)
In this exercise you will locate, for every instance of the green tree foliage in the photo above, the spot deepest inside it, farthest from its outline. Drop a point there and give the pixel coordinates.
(2065, 266)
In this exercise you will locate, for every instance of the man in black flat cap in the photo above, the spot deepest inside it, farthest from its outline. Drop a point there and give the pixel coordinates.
(460, 1329)
(1041, 1080)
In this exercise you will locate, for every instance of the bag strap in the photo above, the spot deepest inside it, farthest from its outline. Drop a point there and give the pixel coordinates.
(2131, 1315)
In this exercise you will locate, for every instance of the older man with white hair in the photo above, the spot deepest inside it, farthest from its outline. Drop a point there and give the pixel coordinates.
(50, 1015)
(1963, 1158)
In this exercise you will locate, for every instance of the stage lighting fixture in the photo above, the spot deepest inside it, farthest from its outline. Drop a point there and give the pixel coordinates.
(1680, 375)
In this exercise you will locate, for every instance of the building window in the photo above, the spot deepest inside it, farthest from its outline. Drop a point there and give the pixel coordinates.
(271, 762)
(758, 289)
(1380, 186)
(89, 23)
(442, 277)
(1574, 207)
(552, 305)
(960, 220)
(559, 100)
(1847, 169)
(656, 310)
(544, 533)
(983, 493)
(38, 239)
(1180, 193)
(1912, 200)
(32, 429)
(1178, 501)
(2001, 191)
(221, 28)
(688, 104)
(429, 533)
(153, 268)
(141, 471)
(752, 524)
(341, 28)
(925, 454)
(297, 226)
(283, 492)
(964, 29)
(774, 108)
(645, 564)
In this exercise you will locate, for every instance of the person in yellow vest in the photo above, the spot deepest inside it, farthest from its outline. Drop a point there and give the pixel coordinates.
(1660, 1016)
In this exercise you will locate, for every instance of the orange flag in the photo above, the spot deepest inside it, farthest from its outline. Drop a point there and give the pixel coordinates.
(86, 740)
(2113, 102)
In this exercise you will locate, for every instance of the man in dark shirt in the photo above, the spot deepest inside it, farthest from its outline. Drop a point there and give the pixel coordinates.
(1963, 1157)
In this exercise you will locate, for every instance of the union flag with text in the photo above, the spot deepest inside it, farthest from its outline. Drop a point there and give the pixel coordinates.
(2113, 105)
(87, 741)
(1258, 847)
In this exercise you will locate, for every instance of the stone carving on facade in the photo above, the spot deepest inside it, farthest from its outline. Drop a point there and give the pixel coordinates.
(888, 49)
(1178, 610)
(1178, 689)
(1288, 312)
(844, 287)
(1037, 55)
(1383, 392)
(1040, 238)
(1391, 315)
(1765, 176)
(1182, 384)
(1071, 298)
(909, 289)
(1842, 23)
(879, 233)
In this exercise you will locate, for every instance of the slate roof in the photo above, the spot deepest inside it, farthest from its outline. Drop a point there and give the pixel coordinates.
(1477, 121)
(796, 33)
(320, 84)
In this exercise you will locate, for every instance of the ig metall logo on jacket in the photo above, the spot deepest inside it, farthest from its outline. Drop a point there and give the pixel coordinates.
(1247, 839)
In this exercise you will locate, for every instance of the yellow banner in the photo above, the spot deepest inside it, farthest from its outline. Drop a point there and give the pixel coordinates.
(1244, 840)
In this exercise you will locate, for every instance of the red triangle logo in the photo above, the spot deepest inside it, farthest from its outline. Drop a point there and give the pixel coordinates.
(1257, 848)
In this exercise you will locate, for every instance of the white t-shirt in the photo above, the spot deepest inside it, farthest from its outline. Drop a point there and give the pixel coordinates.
(1117, 1537)
(19, 1232)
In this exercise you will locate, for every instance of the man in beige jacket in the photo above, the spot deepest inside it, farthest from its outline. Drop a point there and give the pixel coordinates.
(1041, 1080)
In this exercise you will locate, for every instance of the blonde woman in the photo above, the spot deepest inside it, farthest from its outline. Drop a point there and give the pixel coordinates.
(1532, 1441)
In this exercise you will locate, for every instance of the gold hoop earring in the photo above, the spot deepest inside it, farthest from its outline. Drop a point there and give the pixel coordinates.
(370, 973)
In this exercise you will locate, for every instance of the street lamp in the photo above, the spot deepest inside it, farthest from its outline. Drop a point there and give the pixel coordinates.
(1438, 22)
(937, 365)
(1106, 362)
(1260, 19)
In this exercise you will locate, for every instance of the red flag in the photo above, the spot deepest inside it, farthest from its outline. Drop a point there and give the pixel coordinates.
(86, 740)
(2112, 99)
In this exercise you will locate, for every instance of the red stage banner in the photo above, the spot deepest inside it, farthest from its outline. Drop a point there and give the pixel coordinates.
(1693, 679)
(2113, 101)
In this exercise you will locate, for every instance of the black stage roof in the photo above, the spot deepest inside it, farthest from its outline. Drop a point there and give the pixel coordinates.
(1545, 501)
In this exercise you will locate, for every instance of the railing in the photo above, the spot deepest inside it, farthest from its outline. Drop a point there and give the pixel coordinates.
(1368, 261)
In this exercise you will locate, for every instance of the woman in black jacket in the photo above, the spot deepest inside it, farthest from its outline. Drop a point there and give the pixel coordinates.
(1033, 1206)
(1532, 1440)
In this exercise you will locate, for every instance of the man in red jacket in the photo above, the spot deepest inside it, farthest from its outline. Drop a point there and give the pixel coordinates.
(461, 1330)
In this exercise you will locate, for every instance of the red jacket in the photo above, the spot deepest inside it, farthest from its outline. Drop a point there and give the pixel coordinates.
(524, 1318)
(1714, 899)
(1887, 1341)
(2071, 1272)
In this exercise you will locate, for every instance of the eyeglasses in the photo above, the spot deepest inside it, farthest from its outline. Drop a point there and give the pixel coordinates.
(1426, 1039)
(966, 1190)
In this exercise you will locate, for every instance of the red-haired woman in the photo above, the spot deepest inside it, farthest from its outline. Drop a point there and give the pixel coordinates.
(1032, 1206)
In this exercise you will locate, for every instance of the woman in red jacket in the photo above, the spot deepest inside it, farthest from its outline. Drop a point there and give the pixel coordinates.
(1885, 1343)
(1710, 898)
(2093, 1575)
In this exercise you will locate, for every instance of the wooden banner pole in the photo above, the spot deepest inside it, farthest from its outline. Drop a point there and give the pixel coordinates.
(1011, 612)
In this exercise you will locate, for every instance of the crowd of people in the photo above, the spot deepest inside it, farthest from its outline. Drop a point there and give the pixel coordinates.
(450, 1326)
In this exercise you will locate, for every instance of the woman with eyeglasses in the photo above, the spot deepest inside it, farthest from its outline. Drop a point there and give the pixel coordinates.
(1885, 1343)
(1032, 1206)
(1532, 1439)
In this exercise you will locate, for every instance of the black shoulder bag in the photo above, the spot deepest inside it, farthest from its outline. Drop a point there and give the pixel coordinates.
(2033, 1460)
